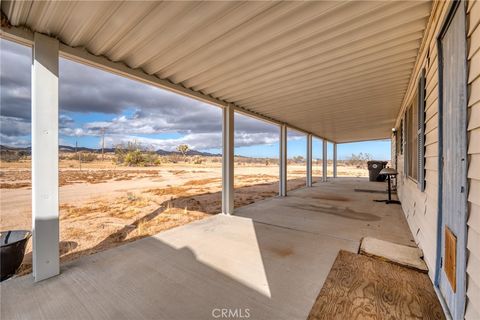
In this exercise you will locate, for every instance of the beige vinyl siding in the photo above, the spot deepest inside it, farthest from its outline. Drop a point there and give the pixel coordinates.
(473, 223)
(421, 207)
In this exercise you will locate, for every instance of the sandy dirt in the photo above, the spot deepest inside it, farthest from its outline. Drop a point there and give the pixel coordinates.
(102, 206)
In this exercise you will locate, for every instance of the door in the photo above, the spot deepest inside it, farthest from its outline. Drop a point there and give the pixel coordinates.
(453, 136)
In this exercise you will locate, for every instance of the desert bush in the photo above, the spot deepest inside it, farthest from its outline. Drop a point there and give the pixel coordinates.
(120, 153)
(162, 160)
(63, 156)
(150, 158)
(173, 158)
(12, 156)
(134, 158)
(358, 160)
(134, 155)
(88, 157)
(298, 159)
(216, 159)
(197, 160)
(122, 150)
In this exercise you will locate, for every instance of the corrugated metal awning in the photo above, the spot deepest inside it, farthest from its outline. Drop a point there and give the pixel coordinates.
(336, 69)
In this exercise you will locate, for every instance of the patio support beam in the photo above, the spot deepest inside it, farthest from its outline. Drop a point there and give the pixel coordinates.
(45, 207)
(324, 160)
(334, 160)
(283, 161)
(309, 161)
(228, 159)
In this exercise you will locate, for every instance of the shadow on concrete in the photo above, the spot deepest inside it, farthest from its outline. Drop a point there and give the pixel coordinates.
(222, 267)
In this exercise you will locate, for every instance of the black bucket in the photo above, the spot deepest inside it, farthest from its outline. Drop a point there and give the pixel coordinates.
(13, 243)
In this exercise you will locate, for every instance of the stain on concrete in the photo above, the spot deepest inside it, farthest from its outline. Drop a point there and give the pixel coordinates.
(344, 212)
(281, 252)
(331, 197)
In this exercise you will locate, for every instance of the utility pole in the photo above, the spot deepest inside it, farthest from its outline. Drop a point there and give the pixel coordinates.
(78, 154)
(103, 143)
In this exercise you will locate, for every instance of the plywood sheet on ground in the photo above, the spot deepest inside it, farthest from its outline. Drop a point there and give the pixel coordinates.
(361, 287)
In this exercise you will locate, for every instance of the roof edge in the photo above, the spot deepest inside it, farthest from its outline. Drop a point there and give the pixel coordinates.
(24, 36)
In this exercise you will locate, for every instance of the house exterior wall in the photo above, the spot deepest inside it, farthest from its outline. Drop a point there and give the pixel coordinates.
(421, 208)
(473, 128)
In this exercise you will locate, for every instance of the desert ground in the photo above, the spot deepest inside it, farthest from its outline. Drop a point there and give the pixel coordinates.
(103, 204)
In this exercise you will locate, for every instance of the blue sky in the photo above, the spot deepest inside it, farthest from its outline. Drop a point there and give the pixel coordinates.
(93, 101)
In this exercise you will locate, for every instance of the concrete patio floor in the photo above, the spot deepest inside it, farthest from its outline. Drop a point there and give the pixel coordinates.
(268, 261)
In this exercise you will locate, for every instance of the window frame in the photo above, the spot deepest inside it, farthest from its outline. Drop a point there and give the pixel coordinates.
(421, 131)
(414, 136)
(399, 141)
(411, 141)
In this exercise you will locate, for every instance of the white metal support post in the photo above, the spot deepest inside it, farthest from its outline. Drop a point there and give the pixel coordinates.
(334, 160)
(228, 160)
(309, 161)
(324, 160)
(45, 225)
(283, 161)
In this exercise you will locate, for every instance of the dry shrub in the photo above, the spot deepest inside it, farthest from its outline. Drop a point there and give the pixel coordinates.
(177, 172)
(173, 158)
(198, 160)
(176, 191)
(359, 160)
(202, 182)
(15, 176)
(14, 185)
(88, 157)
(99, 176)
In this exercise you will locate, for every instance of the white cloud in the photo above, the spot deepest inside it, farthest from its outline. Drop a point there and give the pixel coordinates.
(75, 132)
(84, 90)
(199, 141)
(196, 141)
(13, 141)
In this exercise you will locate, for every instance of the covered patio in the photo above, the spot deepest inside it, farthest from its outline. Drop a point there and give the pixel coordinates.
(271, 258)
(338, 71)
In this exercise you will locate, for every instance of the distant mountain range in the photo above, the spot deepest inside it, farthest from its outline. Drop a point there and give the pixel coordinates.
(27, 150)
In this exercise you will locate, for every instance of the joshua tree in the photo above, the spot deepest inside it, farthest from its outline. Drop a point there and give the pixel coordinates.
(183, 149)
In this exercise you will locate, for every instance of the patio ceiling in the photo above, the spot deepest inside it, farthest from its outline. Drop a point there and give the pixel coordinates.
(336, 69)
